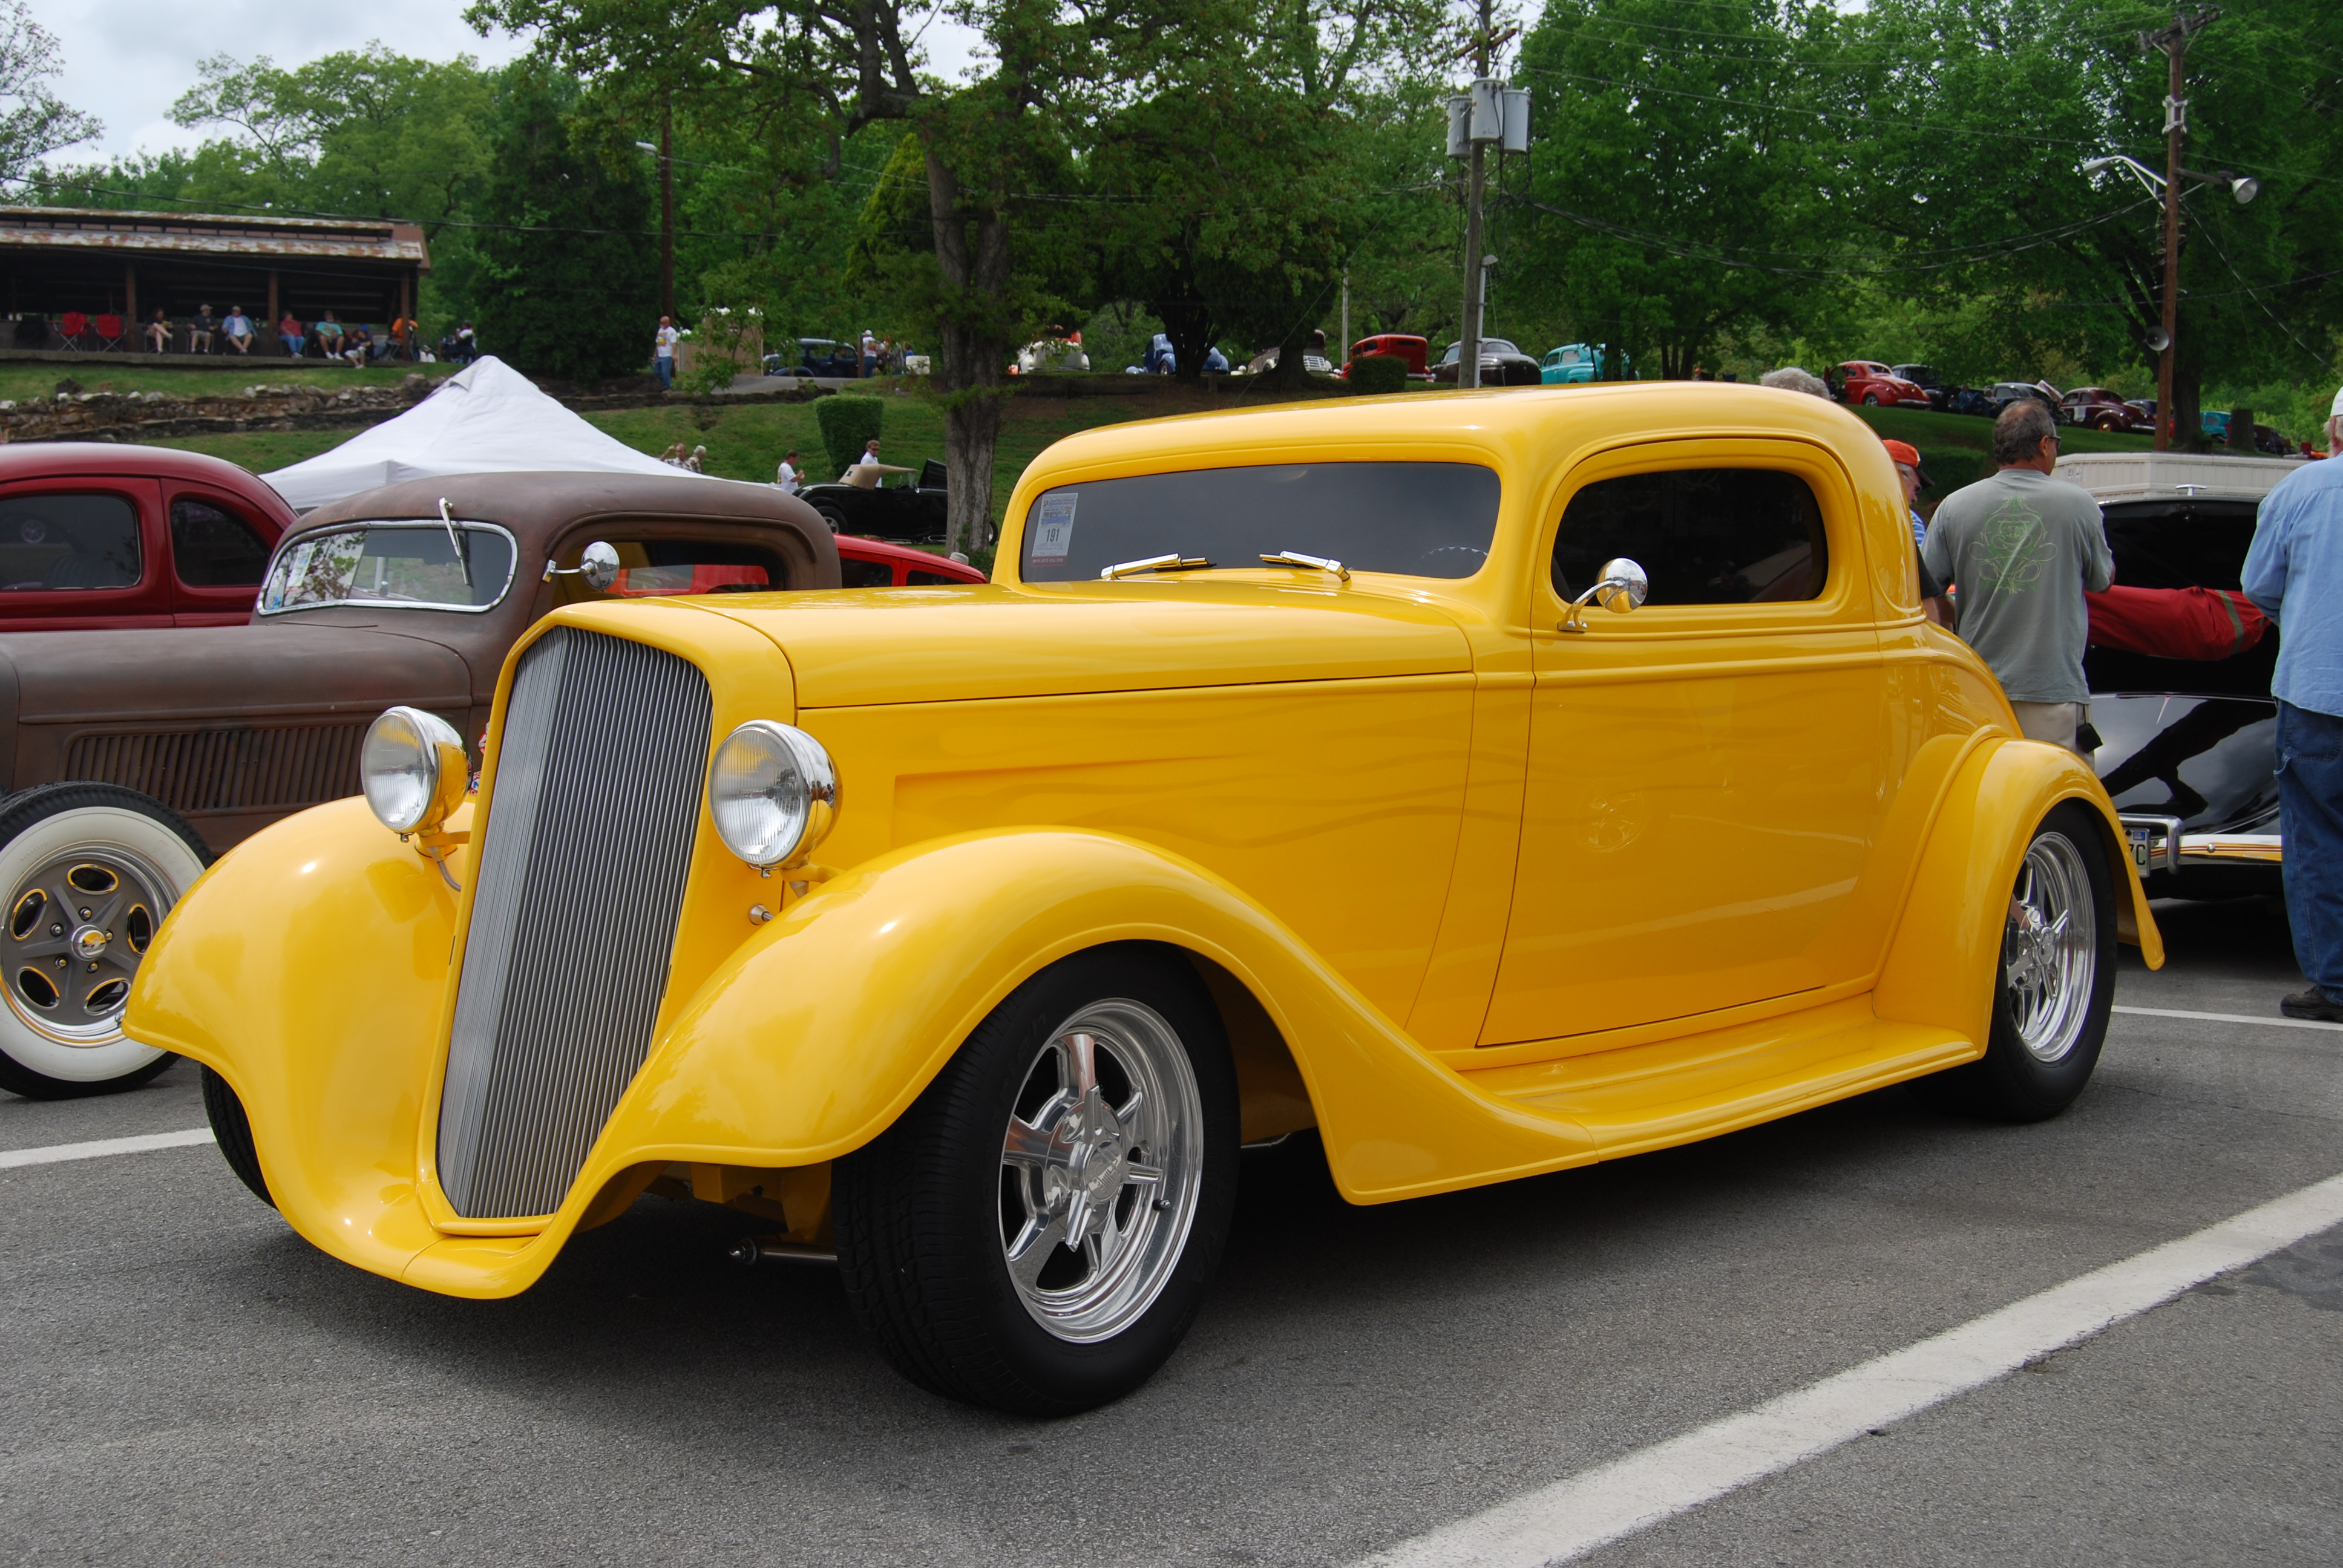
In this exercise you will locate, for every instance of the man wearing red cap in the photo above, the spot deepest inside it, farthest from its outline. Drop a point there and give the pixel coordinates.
(1933, 600)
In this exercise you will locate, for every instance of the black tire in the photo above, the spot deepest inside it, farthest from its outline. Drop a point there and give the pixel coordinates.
(834, 517)
(65, 1048)
(924, 1212)
(232, 1130)
(2016, 1080)
(1871, 399)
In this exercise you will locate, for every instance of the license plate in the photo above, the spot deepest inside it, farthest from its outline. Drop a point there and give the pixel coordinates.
(2139, 849)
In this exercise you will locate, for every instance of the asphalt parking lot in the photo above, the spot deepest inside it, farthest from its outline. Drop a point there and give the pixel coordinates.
(187, 1381)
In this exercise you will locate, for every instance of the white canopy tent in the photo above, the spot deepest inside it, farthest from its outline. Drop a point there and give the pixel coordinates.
(487, 419)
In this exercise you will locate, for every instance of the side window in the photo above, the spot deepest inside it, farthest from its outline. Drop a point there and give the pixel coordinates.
(853, 573)
(665, 567)
(56, 541)
(929, 579)
(1702, 536)
(212, 548)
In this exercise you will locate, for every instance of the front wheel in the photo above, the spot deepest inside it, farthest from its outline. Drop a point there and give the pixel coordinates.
(89, 871)
(1871, 399)
(1037, 1231)
(2055, 983)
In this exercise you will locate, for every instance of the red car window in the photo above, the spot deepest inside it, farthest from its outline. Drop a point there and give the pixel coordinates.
(659, 582)
(212, 548)
(855, 572)
(929, 580)
(69, 539)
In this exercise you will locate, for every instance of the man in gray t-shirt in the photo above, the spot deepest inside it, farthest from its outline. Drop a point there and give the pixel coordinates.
(2020, 549)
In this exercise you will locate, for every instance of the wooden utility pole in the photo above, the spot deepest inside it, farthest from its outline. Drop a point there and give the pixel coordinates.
(2172, 41)
(667, 208)
(1468, 351)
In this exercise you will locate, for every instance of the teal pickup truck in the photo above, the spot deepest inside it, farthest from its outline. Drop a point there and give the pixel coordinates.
(1576, 362)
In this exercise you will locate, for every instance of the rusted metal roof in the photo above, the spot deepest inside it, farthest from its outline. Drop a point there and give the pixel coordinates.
(210, 233)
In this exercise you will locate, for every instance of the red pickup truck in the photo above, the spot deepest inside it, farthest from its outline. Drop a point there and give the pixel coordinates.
(96, 536)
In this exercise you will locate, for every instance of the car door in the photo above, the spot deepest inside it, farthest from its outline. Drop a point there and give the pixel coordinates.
(81, 552)
(219, 553)
(1706, 777)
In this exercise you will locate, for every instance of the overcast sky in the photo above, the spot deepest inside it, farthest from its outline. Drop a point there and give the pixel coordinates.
(126, 61)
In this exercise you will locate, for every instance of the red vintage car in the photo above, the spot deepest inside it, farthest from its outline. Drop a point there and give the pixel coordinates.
(1415, 350)
(1873, 385)
(874, 563)
(2101, 410)
(106, 536)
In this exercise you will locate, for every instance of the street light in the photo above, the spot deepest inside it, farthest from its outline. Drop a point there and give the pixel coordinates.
(2242, 187)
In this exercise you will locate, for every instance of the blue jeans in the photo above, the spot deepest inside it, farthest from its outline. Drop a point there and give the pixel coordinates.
(2310, 815)
(293, 345)
(665, 369)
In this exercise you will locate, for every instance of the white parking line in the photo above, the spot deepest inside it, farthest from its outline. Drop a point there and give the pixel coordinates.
(1573, 1516)
(100, 1148)
(2231, 1018)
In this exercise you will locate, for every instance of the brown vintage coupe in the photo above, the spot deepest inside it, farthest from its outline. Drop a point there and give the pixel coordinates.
(131, 758)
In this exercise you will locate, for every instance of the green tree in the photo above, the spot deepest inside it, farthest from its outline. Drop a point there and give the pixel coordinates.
(569, 280)
(33, 122)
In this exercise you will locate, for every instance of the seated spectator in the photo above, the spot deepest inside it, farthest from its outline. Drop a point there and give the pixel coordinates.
(288, 333)
(200, 328)
(402, 340)
(356, 344)
(328, 332)
(467, 347)
(159, 333)
(238, 327)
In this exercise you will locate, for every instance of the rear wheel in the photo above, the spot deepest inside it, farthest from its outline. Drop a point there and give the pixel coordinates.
(89, 871)
(1871, 399)
(834, 517)
(1037, 1231)
(2054, 984)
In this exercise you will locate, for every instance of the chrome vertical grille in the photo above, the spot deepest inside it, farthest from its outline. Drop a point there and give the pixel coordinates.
(581, 868)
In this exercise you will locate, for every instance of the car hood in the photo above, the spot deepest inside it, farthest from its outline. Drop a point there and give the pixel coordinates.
(2211, 761)
(194, 674)
(871, 646)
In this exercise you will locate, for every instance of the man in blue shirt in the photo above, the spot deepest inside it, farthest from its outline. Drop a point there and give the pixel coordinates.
(2294, 575)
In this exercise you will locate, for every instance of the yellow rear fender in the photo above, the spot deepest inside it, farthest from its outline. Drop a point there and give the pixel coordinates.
(1940, 965)
(825, 1026)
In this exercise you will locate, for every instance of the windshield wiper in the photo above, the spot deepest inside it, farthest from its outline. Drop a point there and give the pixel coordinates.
(1310, 563)
(463, 561)
(1170, 563)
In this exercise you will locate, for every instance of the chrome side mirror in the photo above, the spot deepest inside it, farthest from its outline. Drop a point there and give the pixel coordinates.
(596, 568)
(1621, 587)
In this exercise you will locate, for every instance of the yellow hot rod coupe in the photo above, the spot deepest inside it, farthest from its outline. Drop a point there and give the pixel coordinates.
(1494, 782)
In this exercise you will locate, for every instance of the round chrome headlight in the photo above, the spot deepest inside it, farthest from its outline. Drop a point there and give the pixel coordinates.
(414, 769)
(773, 792)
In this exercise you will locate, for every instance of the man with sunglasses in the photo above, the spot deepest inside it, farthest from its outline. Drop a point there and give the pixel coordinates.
(2020, 549)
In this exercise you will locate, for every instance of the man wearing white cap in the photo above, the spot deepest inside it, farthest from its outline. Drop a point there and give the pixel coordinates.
(2294, 575)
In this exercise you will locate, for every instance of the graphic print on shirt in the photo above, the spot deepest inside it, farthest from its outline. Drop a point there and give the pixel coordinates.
(2014, 549)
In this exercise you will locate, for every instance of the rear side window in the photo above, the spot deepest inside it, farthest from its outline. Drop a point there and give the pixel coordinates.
(853, 573)
(212, 548)
(49, 542)
(670, 567)
(1702, 536)
(929, 579)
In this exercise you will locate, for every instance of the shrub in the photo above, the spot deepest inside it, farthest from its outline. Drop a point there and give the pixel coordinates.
(1379, 373)
(848, 425)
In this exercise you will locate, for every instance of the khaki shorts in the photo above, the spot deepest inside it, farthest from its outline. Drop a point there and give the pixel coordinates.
(2055, 722)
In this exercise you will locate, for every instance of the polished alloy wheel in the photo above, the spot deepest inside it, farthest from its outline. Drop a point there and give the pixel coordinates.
(1099, 1170)
(77, 927)
(2049, 948)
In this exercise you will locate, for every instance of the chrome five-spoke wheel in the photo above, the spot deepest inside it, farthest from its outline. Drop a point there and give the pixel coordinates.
(1036, 1231)
(1099, 1169)
(2049, 948)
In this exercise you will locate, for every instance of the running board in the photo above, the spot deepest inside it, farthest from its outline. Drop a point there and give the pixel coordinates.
(1642, 1097)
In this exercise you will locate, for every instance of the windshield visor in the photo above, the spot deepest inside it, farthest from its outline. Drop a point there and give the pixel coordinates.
(1415, 519)
(412, 565)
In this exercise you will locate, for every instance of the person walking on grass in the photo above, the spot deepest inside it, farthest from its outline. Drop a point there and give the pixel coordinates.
(2020, 550)
(2294, 575)
(663, 343)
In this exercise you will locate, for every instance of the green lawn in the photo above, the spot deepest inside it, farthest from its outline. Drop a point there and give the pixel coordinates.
(745, 440)
(220, 377)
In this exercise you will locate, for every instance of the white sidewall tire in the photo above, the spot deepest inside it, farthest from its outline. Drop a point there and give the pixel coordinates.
(37, 844)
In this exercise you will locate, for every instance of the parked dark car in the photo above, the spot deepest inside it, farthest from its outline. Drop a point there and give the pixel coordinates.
(2101, 409)
(817, 357)
(2189, 745)
(912, 509)
(2005, 393)
(97, 536)
(130, 758)
(1973, 400)
(1925, 378)
(1501, 364)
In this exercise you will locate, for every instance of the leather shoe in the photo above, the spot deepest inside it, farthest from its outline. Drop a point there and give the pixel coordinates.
(2312, 1003)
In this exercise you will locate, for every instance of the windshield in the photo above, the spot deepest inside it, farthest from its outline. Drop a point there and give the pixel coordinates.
(1418, 520)
(410, 565)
